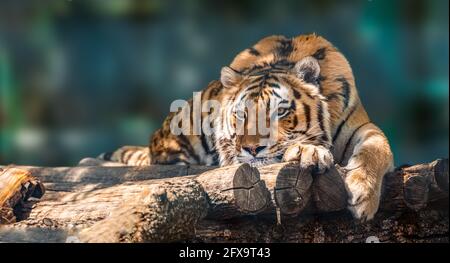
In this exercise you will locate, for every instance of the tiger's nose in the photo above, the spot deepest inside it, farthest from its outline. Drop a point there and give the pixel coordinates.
(253, 149)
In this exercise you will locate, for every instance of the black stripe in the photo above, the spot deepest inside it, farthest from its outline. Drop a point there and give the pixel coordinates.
(259, 72)
(107, 156)
(205, 144)
(339, 128)
(275, 78)
(290, 83)
(264, 80)
(293, 107)
(253, 51)
(350, 140)
(299, 132)
(174, 161)
(320, 54)
(264, 71)
(253, 95)
(276, 94)
(254, 86)
(215, 90)
(308, 94)
(273, 85)
(256, 80)
(122, 155)
(215, 160)
(188, 147)
(297, 94)
(345, 90)
(248, 71)
(283, 64)
(321, 119)
(171, 152)
(333, 96)
(320, 79)
(127, 156)
(307, 111)
(285, 47)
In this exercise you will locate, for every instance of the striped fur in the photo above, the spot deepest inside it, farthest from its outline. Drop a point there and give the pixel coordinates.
(322, 120)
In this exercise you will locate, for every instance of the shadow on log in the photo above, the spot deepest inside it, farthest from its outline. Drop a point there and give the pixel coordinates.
(113, 203)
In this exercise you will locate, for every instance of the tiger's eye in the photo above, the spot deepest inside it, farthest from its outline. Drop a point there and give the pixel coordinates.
(282, 111)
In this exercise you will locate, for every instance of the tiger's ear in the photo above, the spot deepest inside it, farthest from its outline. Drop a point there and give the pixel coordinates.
(229, 77)
(308, 70)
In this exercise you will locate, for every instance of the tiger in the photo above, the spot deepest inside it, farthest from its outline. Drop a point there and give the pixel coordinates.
(321, 120)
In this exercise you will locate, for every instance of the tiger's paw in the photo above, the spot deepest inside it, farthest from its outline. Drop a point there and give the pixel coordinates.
(310, 155)
(363, 196)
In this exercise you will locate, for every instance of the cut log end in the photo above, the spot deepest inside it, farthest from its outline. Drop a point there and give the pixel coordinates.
(425, 183)
(16, 187)
(329, 192)
(293, 188)
(441, 174)
(234, 191)
(250, 191)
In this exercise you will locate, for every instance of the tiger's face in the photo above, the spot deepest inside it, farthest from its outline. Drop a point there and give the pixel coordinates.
(268, 109)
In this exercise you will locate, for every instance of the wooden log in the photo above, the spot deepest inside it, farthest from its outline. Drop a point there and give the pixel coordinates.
(78, 177)
(289, 185)
(16, 187)
(229, 192)
(408, 186)
(234, 191)
(430, 225)
(61, 214)
(421, 182)
(165, 212)
(414, 208)
(415, 187)
(328, 190)
(170, 210)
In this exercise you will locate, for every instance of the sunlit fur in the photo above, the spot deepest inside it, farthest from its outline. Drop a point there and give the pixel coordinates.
(339, 132)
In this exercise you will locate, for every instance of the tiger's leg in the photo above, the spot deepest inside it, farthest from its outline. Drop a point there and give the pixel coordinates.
(369, 158)
(163, 149)
(168, 148)
(129, 155)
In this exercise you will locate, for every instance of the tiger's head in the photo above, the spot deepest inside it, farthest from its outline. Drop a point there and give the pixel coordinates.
(268, 108)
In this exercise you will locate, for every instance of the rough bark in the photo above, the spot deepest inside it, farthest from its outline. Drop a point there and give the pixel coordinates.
(124, 204)
(119, 204)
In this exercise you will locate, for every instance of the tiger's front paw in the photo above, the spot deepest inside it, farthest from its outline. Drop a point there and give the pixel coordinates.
(308, 155)
(363, 194)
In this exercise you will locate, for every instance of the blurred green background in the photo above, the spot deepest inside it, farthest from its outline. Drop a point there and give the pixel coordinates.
(78, 78)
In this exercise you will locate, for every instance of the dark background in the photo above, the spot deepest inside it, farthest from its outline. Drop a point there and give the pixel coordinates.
(78, 78)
